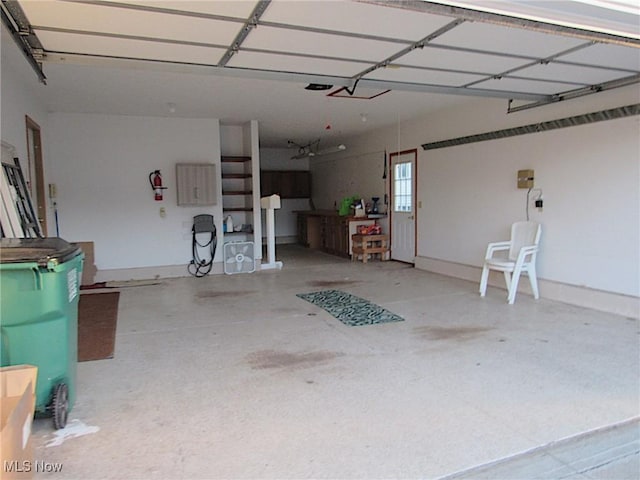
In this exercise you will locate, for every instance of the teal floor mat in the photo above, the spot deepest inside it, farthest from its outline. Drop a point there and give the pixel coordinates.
(349, 309)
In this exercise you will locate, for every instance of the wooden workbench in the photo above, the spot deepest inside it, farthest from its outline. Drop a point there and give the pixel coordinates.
(327, 231)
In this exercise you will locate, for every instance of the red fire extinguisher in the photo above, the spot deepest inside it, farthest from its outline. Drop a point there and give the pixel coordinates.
(156, 184)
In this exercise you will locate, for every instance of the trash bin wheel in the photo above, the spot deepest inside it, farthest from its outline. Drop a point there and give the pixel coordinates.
(60, 405)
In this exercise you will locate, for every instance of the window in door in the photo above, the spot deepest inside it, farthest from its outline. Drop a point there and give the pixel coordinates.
(402, 191)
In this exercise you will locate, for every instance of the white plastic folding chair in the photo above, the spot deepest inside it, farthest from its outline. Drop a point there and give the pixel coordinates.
(522, 250)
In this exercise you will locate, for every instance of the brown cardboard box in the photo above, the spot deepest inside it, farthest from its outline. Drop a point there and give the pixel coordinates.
(89, 269)
(17, 404)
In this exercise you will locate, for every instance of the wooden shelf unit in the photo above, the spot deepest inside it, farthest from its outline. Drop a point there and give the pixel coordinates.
(239, 177)
(369, 245)
(237, 190)
(226, 176)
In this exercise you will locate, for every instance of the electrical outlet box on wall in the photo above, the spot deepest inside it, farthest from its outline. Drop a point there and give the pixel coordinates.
(525, 178)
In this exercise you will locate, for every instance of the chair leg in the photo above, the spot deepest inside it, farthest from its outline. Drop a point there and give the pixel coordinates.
(483, 281)
(513, 288)
(533, 279)
(507, 280)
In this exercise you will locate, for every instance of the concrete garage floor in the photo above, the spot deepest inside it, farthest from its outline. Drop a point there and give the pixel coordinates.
(236, 377)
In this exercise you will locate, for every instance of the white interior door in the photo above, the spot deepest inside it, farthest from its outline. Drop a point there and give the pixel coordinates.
(403, 206)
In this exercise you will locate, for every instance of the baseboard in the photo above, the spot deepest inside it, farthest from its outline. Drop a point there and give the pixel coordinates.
(154, 273)
(147, 273)
(286, 239)
(283, 240)
(625, 305)
(598, 453)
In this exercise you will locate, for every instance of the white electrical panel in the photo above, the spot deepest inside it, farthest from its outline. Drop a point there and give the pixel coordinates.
(525, 178)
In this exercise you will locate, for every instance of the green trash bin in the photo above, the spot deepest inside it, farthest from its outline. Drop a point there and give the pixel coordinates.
(39, 290)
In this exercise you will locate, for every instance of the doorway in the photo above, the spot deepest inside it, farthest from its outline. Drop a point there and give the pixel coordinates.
(403, 205)
(34, 173)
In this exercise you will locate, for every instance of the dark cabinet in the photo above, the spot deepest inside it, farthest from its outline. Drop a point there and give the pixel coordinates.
(269, 183)
(327, 231)
(301, 187)
(310, 230)
(286, 183)
(303, 230)
(335, 235)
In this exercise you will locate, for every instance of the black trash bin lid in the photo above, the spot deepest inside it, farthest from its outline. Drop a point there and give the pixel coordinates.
(38, 250)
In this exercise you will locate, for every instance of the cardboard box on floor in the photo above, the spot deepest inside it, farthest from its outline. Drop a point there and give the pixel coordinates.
(17, 404)
(89, 269)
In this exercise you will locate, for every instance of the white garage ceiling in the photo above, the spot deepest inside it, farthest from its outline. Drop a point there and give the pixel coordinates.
(241, 60)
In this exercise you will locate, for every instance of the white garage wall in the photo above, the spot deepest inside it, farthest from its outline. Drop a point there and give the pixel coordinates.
(102, 164)
(347, 175)
(590, 177)
(20, 94)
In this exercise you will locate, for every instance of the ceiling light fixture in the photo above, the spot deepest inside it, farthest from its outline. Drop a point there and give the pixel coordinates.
(312, 149)
(328, 150)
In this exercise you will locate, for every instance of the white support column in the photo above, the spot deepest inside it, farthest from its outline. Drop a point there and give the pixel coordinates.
(270, 204)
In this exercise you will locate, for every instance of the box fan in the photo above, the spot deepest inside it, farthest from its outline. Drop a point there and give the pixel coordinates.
(238, 258)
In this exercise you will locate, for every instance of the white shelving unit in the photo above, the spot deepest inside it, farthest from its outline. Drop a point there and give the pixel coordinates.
(240, 180)
(237, 193)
